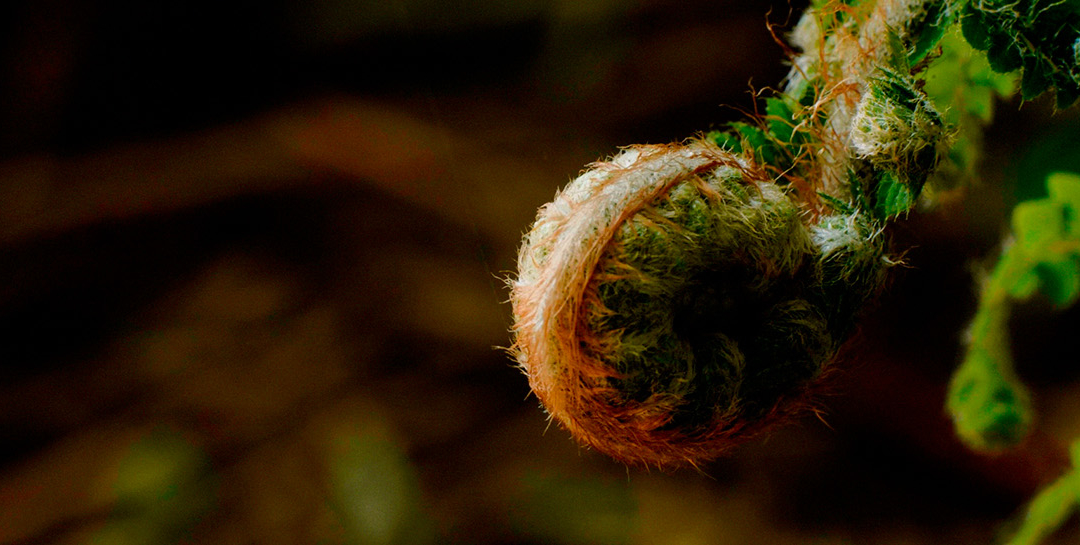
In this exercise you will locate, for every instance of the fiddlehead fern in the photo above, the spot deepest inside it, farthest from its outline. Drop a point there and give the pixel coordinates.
(675, 300)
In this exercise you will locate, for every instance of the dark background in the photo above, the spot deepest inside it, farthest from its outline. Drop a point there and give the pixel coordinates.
(252, 264)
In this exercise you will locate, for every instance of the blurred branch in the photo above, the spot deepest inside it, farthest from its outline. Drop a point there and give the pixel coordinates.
(370, 143)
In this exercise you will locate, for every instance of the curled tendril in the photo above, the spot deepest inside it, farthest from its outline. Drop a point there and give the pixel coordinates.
(676, 300)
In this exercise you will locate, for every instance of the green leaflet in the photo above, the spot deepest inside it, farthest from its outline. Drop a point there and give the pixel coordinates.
(774, 141)
(927, 31)
(894, 197)
(780, 118)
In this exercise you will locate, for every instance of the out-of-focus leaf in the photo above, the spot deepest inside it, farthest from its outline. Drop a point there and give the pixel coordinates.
(375, 492)
(559, 509)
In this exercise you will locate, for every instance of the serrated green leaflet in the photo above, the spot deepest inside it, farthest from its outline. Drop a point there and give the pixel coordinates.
(1038, 36)
(893, 196)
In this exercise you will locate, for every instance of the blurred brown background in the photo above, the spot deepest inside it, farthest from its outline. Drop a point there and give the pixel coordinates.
(251, 284)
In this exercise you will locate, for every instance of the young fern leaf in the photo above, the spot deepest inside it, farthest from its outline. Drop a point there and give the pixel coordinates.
(990, 407)
(676, 300)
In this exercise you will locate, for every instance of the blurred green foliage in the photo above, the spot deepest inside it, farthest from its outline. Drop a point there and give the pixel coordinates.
(554, 508)
(375, 492)
(962, 78)
(990, 407)
(1052, 506)
(163, 488)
